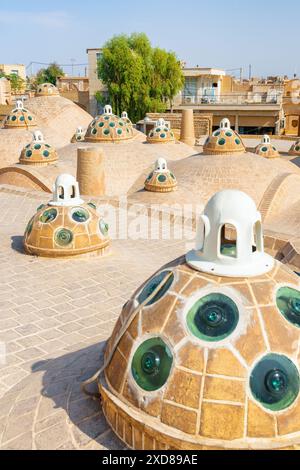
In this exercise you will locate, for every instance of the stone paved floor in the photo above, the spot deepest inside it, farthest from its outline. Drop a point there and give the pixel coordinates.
(55, 317)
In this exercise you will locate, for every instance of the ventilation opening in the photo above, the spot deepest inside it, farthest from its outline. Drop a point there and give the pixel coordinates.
(257, 237)
(228, 241)
(61, 192)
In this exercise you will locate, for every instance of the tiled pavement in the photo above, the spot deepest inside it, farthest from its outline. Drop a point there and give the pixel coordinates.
(55, 316)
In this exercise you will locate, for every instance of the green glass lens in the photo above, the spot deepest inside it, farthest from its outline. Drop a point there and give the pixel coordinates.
(152, 285)
(213, 318)
(222, 142)
(151, 364)
(288, 303)
(80, 215)
(48, 216)
(162, 178)
(274, 382)
(63, 237)
(103, 227)
(229, 249)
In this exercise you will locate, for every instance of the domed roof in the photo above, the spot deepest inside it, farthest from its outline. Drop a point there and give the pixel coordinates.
(203, 361)
(295, 148)
(224, 141)
(19, 117)
(125, 118)
(38, 152)
(161, 133)
(266, 148)
(109, 128)
(47, 89)
(78, 136)
(66, 226)
(161, 180)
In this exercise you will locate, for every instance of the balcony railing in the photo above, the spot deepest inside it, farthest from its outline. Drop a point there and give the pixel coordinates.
(233, 99)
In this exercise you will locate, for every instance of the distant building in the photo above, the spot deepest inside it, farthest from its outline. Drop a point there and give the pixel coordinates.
(95, 83)
(13, 69)
(253, 107)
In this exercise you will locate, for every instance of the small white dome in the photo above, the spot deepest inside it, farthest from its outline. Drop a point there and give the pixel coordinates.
(107, 110)
(266, 139)
(230, 213)
(66, 191)
(38, 136)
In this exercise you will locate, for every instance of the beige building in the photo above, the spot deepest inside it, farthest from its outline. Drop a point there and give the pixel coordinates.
(253, 107)
(13, 69)
(5, 91)
(94, 83)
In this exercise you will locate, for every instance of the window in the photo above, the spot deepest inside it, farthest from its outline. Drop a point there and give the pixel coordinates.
(228, 241)
(190, 86)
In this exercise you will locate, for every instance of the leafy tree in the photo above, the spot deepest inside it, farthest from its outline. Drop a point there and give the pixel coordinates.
(17, 83)
(139, 78)
(49, 74)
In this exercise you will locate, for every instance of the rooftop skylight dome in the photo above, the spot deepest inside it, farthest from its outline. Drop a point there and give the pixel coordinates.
(109, 128)
(47, 89)
(79, 135)
(161, 179)
(161, 133)
(224, 141)
(266, 148)
(19, 117)
(66, 226)
(38, 152)
(295, 149)
(202, 360)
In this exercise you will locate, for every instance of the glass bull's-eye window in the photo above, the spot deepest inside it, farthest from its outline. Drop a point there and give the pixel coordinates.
(48, 216)
(288, 303)
(63, 237)
(213, 317)
(274, 382)
(104, 228)
(153, 284)
(151, 364)
(80, 215)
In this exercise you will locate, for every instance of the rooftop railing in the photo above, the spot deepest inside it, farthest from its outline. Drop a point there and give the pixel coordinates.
(232, 99)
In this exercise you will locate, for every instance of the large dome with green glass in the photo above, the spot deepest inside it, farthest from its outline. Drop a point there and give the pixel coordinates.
(205, 354)
(66, 226)
(224, 141)
(109, 128)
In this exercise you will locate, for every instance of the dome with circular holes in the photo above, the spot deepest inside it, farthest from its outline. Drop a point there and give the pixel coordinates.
(38, 152)
(19, 117)
(295, 149)
(205, 354)
(47, 89)
(161, 133)
(161, 179)
(66, 226)
(109, 128)
(125, 118)
(266, 148)
(224, 141)
(78, 136)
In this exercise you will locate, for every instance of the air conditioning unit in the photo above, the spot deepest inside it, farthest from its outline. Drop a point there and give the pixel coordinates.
(190, 100)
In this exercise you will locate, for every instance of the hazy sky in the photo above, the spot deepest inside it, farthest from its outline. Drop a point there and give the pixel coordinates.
(227, 34)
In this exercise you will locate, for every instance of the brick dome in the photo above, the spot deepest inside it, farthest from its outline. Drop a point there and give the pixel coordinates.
(38, 152)
(19, 117)
(161, 180)
(295, 149)
(161, 133)
(109, 128)
(47, 89)
(266, 148)
(224, 141)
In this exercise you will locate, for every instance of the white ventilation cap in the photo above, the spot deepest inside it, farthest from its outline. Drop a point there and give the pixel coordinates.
(19, 104)
(237, 210)
(225, 124)
(66, 191)
(161, 165)
(108, 109)
(160, 122)
(79, 131)
(266, 139)
(124, 115)
(38, 136)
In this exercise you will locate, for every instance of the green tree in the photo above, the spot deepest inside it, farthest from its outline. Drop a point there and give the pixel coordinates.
(49, 74)
(139, 78)
(17, 83)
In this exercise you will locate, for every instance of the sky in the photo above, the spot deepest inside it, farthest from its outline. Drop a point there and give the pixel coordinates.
(226, 34)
